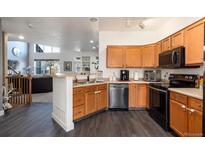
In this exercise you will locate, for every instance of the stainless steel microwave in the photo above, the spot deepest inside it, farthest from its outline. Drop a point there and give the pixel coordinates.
(174, 58)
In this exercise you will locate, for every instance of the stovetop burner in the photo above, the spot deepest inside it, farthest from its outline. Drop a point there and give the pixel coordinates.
(162, 85)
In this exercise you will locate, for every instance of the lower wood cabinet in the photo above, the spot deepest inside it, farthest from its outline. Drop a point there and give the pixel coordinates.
(90, 102)
(185, 115)
(178, 118)
(138, 95)
(89, 99)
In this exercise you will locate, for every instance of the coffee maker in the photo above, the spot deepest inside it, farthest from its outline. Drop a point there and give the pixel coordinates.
(124, 75)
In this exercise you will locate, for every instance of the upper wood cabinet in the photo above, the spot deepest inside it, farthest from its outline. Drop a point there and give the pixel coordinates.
(166, 44)
(177, 39)
(115, 56)
(158, 50)
(148, 56)
(133, 57)
(194, 43)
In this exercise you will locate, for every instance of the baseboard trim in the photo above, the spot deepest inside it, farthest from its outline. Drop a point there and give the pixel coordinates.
(1, 112)
(64, 126)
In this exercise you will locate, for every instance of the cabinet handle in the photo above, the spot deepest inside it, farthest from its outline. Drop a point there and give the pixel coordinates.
(97, 92)
(191, 110)
(183, 107)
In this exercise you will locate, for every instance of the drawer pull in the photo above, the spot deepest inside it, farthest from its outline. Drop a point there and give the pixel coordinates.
(183, 107)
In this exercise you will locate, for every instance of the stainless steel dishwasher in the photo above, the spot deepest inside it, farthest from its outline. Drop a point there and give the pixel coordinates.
(118, 96)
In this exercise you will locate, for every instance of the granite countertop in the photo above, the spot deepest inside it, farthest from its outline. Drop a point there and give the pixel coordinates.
(192, 92)
(75, 85)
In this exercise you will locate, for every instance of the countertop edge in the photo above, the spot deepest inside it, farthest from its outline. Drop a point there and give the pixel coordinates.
(187, 92)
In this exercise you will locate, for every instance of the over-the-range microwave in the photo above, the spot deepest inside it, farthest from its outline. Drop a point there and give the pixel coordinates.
(174, 58)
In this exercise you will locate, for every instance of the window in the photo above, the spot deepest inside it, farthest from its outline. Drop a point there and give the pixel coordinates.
(43, 66)
(38, 48)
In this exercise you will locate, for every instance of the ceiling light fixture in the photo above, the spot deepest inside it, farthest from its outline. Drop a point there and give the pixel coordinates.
(93, 19)
(93, 47)
(91, 41)
(30, 26)
(141, 25)
(21, 37)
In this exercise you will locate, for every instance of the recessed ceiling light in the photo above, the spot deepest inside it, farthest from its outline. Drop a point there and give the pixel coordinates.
(21, 37)
(91, 41)
(93, 19)
(93, 47)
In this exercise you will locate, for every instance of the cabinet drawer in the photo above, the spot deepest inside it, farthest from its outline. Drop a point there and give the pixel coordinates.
(102, 87)
(195, 104)
(78, 99)
(179, 98)
(78, 112)
(90, 88)
(78, 90)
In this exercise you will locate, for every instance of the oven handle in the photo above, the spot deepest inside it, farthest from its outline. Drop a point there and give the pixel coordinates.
(164, 91)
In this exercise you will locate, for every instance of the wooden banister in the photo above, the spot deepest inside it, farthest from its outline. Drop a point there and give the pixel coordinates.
(23, 89)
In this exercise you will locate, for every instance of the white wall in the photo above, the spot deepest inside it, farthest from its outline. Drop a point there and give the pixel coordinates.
(174, 25)
(141, 38)
(22, 58)
(64, 55)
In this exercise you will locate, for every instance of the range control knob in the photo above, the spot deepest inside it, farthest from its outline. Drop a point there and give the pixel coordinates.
(186, 77)
(190, 78)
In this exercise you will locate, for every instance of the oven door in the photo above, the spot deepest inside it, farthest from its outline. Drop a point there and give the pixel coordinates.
(159, 109)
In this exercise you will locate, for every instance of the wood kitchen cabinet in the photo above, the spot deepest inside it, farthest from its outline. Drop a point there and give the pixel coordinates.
(194, 43)
(101, 98)
(133, 95)
(148, 56)
(178, 117)
(158, 50)
(185, 115)
(133, 57)
(166, 44)
(177, 39)
(115, 56)
(88, 100)
(138, 95)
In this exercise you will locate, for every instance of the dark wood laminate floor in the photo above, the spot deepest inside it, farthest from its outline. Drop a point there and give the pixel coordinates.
(35, 120)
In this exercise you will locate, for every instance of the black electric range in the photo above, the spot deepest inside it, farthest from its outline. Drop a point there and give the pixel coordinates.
(159, 96)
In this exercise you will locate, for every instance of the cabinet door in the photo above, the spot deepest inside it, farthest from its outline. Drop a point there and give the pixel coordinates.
(115, 56)
(132, 95)
(158, 49)
(141, 95)
(78, 99)
(90, 102)
(148, 56)
(177, 39)
(194, 123)
(166, 44)
(101, 100)
(178, 118)
(194, 43)
(133, 57)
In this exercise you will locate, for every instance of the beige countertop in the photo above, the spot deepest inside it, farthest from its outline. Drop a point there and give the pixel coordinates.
(192, 92)
(75, 85)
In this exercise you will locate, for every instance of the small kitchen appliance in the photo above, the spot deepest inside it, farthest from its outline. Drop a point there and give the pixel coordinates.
(136, 76)
(124, 75)
(152, 75)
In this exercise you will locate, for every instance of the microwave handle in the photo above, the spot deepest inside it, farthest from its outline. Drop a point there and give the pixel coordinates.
(173, 56)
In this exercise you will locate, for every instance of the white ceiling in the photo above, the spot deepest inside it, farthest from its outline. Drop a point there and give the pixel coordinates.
(74, 33)
(69, 33)
(131, 23)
